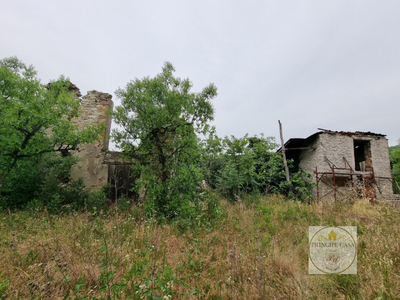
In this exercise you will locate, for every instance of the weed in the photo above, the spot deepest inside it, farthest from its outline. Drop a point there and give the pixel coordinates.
(256, 251)
(4, 283)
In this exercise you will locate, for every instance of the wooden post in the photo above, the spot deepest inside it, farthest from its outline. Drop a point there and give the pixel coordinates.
(317, 181)
(397, 185)
(284, 156)
(334, 183)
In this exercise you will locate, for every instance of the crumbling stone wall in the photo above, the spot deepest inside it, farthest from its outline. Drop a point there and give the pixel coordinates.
(335, 146)
(381, 165)
(91, 166)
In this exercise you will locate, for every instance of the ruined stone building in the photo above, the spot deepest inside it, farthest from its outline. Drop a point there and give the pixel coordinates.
(339, 162)
(344, 163)
(97, 165)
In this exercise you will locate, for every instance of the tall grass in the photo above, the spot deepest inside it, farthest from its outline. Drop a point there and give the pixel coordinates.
(252, 251)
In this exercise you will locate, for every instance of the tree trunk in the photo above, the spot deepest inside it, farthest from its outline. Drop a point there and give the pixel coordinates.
(2, 179)
(238, 186)
(5, 173)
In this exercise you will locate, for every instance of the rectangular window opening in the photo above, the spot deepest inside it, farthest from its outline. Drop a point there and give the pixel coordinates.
(362, 155)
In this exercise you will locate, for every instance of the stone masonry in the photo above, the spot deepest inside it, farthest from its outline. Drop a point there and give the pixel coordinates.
(91, 166)
(357, 153)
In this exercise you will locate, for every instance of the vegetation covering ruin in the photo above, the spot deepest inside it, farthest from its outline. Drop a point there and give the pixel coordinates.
(216, 218)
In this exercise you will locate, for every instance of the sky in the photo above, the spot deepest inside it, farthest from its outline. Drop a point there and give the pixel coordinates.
(309, 63)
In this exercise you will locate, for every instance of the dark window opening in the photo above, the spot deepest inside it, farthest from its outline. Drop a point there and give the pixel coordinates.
(362, 155)
(65, 153)
(122, 181)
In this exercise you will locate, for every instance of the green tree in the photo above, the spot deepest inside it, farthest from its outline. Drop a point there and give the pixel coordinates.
(36, 119)
(240, 166)
(244, 157)
(212, 159)
(160, 118)
(272, 178)
(42, 179)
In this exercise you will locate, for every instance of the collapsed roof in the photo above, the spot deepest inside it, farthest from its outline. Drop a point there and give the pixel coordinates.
(299, 143)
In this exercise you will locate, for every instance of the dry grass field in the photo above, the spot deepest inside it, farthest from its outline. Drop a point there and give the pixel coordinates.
(251, 251)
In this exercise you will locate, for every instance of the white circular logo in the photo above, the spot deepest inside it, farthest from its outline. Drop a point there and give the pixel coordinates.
(332, 249)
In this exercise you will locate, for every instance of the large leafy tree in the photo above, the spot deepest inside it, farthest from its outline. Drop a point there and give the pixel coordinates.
(35, 119)
(160, 117)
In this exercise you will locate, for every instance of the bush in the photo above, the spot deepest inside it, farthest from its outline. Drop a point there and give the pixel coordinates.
(45, 181)
(239, 167)
(40, 178)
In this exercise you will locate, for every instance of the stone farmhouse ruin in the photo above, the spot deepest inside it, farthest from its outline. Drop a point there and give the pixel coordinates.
(344, 163)
(341, 163)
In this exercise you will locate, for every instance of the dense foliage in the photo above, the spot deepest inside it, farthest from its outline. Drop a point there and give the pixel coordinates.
(160, 120)
(35, 121)
(237, 167)
(160, 117)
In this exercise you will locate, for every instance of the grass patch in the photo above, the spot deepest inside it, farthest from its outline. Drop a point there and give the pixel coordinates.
(255, 250)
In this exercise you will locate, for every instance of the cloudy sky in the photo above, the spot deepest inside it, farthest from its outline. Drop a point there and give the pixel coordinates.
(309, 63)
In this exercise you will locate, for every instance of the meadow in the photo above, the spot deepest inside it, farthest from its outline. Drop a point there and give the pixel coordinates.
(251, 249)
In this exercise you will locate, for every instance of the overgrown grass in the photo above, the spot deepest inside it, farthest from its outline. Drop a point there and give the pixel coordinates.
(251, 251)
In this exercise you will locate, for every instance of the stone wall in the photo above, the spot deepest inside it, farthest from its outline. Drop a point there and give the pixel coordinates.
(335, 146)
(381, 165)
(92, 156)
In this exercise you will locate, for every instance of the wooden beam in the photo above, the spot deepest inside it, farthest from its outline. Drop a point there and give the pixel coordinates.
(301, 148)
(118, 163)
(284, 156)
(395, 181)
